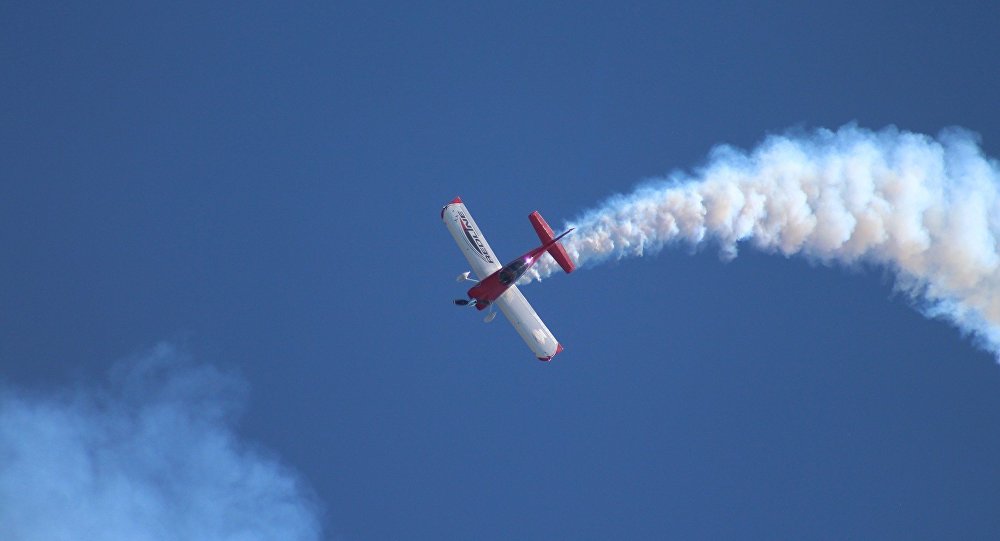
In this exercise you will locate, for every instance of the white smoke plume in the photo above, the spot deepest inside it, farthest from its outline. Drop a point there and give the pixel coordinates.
(152, 457)
(926, 209)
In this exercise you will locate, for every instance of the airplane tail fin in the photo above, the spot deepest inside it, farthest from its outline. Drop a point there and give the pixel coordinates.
(546, 236)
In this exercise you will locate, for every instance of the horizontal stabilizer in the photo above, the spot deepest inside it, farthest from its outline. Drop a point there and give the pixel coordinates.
(545, 235)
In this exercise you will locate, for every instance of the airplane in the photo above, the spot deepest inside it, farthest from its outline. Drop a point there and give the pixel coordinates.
(496, 284)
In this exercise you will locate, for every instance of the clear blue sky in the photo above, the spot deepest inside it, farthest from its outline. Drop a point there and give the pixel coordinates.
(260, 184)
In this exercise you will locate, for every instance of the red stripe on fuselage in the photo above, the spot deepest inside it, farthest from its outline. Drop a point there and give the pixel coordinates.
(490, 288)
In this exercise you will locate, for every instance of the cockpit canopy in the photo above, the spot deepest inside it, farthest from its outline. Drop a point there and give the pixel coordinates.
(513, 271)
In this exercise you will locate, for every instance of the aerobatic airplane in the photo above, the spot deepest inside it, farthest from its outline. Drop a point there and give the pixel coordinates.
(496, 284)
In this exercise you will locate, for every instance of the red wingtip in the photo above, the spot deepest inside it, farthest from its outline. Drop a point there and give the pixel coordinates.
(559, 348)
(452, 202)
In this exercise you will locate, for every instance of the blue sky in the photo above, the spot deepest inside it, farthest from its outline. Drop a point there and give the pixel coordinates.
(259, 187)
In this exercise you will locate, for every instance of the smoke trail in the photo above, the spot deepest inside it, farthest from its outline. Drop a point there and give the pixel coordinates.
(925, 208)
(151, 458)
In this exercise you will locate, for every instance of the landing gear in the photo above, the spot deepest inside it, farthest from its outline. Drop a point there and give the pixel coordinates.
(462, 302)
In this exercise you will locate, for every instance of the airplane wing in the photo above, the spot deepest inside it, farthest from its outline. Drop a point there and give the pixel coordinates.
(534, 333)
(469, 238)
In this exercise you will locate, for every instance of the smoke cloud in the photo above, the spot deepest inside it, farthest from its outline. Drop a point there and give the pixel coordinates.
(152, 456)
(926, 209)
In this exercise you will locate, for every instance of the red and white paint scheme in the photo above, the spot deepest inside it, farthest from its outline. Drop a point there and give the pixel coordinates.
(496, 285)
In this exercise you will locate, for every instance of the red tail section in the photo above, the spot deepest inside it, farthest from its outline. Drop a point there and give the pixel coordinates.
(545, 235)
